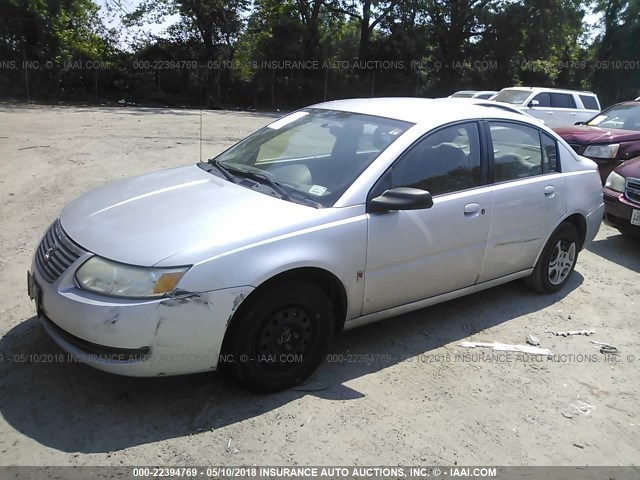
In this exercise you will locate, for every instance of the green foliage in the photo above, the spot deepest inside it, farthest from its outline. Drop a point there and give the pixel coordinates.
(470, 44)
(55, 30)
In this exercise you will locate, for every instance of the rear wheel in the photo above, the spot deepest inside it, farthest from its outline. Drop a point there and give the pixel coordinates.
(557, 261)
(280, 337)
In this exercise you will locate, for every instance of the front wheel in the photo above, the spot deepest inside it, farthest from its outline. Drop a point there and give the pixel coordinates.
(280, 337)
(557, 261)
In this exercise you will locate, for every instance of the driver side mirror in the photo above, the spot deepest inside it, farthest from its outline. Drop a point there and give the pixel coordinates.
(401, 198)
(533, 103)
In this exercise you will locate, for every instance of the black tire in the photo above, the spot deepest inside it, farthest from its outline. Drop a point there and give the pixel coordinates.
(280, 337)
(548, 279)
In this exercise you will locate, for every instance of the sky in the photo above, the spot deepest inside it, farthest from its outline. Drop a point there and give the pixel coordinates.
(127, 6)
(112, 20)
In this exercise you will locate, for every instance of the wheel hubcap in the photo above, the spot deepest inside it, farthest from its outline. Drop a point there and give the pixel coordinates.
(285, 337)
(561, 262)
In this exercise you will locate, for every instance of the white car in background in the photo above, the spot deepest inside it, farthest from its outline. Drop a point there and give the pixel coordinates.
(558, 108)
(492, 104)
(481, 95)
(334, 216)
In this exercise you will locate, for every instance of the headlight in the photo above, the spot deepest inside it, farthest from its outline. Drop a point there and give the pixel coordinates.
(615, 182)
(602, 151)
(111, 278)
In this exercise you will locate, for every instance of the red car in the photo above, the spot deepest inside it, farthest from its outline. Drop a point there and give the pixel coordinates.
(622, 198)
(609, 139)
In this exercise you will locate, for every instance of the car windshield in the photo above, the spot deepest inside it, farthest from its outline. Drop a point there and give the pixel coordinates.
(312, 155)
(514, 97)
(624, 117)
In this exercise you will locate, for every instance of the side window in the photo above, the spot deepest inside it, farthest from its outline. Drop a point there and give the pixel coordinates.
(376, 138)
(550, 163)
(544, 99)
(517, 152)
(562, 100)
(589, 102)
(447, 160)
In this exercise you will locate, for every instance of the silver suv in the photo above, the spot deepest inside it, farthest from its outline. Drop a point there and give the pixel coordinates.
(558, 108)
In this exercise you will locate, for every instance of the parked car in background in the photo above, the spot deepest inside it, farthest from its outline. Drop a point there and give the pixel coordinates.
(485, 94)
(491, 104)
(622, 198)
(609, 138)
(482, 95)
(334, 216)
(556, 107)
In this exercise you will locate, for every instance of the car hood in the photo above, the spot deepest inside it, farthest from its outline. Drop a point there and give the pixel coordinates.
(583, 134)
(630, 169)
(146, 219)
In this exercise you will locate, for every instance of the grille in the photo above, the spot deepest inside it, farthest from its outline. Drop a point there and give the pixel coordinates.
(576, 147)
(56, 252)
(632, 190)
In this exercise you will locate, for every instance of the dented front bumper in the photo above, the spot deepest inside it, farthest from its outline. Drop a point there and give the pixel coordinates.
(168, 336)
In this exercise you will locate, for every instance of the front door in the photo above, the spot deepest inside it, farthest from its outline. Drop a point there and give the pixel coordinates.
(413, 255)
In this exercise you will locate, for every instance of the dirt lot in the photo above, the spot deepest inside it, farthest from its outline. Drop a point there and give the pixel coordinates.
(421, 402)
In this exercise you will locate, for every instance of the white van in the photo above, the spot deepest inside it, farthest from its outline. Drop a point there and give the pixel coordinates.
(558, 108)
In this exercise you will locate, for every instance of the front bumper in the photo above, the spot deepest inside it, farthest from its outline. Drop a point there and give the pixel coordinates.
(166, 336)
(618, 211)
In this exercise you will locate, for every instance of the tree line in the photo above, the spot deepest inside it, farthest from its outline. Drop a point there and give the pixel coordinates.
(287, 53)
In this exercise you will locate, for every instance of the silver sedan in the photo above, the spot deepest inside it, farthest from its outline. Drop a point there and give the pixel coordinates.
(331, 217)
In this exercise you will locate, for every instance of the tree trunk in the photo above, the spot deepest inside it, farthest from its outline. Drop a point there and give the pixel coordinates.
(365, 30)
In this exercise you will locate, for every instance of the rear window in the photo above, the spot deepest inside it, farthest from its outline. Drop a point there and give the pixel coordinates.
(589, 102)
(562, 100)
(550, 162)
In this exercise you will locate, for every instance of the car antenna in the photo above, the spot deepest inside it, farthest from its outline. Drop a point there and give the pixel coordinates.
(201, 134)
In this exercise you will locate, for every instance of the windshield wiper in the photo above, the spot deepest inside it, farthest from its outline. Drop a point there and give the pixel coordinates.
(224, 170)
(260, 177)
(265, 179)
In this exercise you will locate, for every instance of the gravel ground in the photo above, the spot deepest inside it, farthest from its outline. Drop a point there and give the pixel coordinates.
(404, 392)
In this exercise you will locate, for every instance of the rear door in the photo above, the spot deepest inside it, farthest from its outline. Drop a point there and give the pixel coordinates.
(590, 107)
(528, 199)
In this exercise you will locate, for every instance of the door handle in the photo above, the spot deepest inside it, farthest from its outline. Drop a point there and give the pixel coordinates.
(471, 208)
(549, 191)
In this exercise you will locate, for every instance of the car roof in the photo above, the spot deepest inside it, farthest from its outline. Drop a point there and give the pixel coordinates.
(417, 110)
(549, 89)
